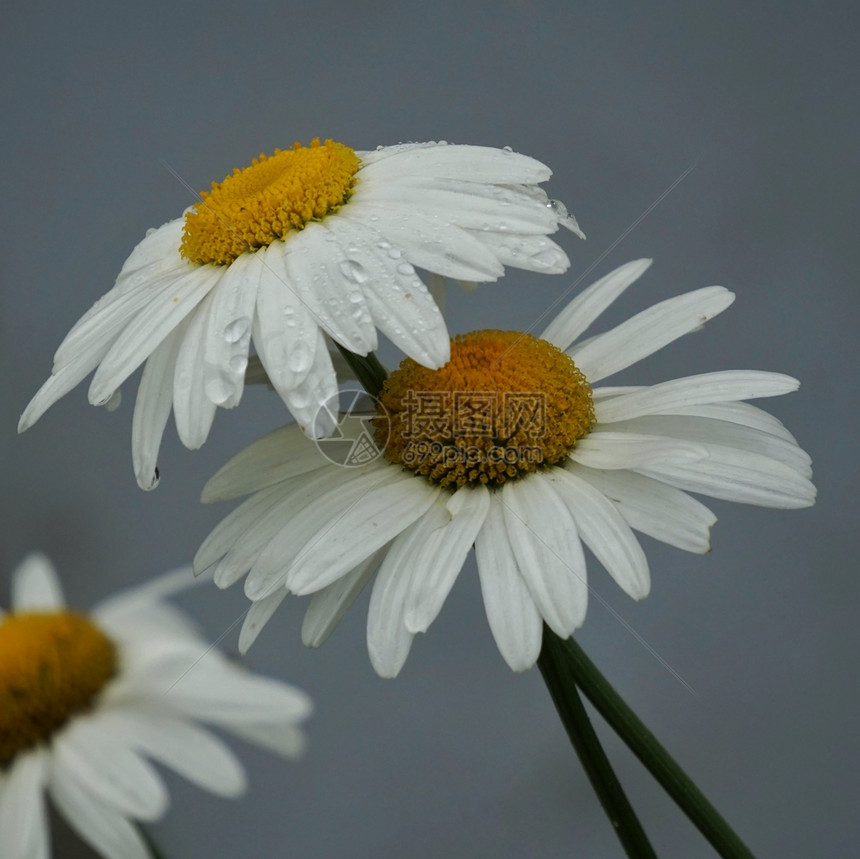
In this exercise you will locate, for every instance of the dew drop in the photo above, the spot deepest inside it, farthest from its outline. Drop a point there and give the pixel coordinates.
(217, 390)
(237, 329)
(300, 358)
(238, 364)
(353, 271)
(405, 268)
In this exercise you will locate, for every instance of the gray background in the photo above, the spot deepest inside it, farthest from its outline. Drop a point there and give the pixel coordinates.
(459, 756)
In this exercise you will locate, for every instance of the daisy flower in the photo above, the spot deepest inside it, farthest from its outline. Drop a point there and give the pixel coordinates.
(513, 448)
(88, 700)
(309, 240)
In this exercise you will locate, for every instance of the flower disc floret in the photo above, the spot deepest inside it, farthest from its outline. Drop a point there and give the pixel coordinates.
(52, 666)
(262, 203)
(505, 404)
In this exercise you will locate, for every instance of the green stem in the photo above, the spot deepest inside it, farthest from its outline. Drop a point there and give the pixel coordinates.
(367, 369)
(582, 672)
(553, 667)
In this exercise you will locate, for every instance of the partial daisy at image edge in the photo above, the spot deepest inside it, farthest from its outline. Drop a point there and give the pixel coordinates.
(310, 243)
(614, 460)
(93, 699)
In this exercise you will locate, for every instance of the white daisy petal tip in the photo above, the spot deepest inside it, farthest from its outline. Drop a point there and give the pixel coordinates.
(115, 717)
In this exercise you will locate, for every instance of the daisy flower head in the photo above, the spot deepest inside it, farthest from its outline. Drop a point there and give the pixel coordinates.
(89, 700)
(309, 241)
(514, 447)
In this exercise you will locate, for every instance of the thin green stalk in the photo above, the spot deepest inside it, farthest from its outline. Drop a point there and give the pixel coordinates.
(552, 664)
(582, 672)
(367, 369)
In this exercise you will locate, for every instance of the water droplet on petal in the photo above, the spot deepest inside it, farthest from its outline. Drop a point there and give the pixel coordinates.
(405, 268)
(353, 271)
(237, 329)
(300, 358)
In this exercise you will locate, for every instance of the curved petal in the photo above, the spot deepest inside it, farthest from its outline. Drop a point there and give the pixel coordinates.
(591, 302)
(649, 331)
(101, 758)
(723, 386)
(24, 829)
(438, 560)
(257, 616)
(167, 306)
(187, 749)
(193, 411)
(454, 161)
(100, 825)
(605, 532)
(660, 511)
(514, 620)
(152, 407)
(330, 604)
(364, 526)
(228, 332)
(35, 585)
(277, 456)
(611, 450)
(549, 555)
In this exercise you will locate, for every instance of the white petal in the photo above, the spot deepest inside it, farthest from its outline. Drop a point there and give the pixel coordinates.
(35, 585)
(257, 617)
(388, 639)
(645, 333)
(309, 401)
(427, 242)
(741, 476)
(723, 386)
(101, 757)
(329, 282)
(514, 620)
(159, 245)
(193, 411)
(663, 512)
(438, 560)
(329, 605)
(591, 302)
(24, 829)
(152, 408)
(281, 738)
(532, 253)
(744, 414)
(225, 535)
(228, 333)
(313, 515)
(62, 379)
(187, 749)
(225, 696)
(609, 449)
(285, 332)
(549, 555)
(277, 456)
(474, 163)
(362, 528)
(604, 531)
(708, 431)
(169, 304)
(100, 825)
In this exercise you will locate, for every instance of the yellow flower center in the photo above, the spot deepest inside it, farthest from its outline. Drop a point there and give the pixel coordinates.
(504, 405)
(262, 203)
(52, 665)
